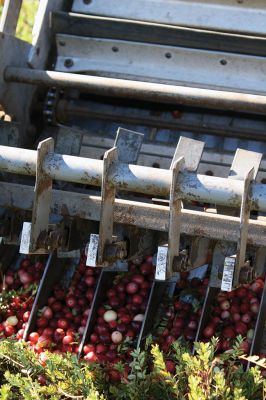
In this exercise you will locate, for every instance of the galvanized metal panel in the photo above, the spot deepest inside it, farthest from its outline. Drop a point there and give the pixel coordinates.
(226, 15)
(150, 32)
(157, 63)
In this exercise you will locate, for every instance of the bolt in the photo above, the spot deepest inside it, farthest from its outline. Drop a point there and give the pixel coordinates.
(68, 63)
(87, 1)
(168, 55)
(223, 62)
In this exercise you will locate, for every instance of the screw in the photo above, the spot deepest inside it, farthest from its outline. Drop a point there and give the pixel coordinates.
(68, 63)
(223, 62)
(87, 1)
(168, 55)
(115, 49)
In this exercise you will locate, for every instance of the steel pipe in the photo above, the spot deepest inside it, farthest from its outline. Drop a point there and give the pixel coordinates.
(132, 178)
(154, 92)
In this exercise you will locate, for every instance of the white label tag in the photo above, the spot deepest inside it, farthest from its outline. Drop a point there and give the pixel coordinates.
(92, 250)
(25, 238)
(228, 274)
(161, 263)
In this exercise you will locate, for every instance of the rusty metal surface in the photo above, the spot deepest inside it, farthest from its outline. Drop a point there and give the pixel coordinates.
(243, 227)
(107, 205)
(41, 204)
(143, 215)
(154, 92)
(175, 207)
(128, 144)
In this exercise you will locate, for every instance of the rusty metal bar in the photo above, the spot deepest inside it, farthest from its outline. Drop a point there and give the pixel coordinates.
(107, 206)
(132, 178)
(41, 206)
(175, 206)
(143, 215)
(149, 91)
(244, 220)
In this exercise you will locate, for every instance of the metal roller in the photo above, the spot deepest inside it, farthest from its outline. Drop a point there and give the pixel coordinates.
(132, 178)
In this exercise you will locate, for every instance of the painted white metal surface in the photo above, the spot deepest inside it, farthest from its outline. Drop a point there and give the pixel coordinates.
(247, 16)
(123, 59)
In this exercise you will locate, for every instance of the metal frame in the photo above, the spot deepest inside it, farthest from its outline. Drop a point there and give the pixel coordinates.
(220, 15)
(159, 63)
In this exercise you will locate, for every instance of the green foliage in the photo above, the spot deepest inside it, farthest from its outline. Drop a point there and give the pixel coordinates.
(199, 376)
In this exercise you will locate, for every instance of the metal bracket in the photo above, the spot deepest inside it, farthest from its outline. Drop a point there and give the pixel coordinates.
(244, 221)
(187, 156)
(245, 167)
(107, 206)
(175, 206)
(103, 249)
(36, 232)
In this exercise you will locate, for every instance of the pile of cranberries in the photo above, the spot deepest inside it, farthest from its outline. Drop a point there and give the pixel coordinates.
(61, 323)
(15, 311)
(181, 315)
(27, 274)
(120, 316)
(235, 313)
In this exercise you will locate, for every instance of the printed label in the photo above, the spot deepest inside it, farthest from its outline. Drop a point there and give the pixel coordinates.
(228, 274)
(92, 250)
(161, 263)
